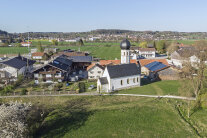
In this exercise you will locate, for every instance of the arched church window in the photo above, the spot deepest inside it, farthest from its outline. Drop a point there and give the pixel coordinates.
(134, 80)
(137, 79)
(124, 53)
(121, 82)
(127, 81)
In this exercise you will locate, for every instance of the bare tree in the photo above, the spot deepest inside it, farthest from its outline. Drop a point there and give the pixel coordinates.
(194, 71)
(12, 119)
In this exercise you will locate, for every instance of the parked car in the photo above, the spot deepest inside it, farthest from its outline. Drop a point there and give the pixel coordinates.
(91, 87)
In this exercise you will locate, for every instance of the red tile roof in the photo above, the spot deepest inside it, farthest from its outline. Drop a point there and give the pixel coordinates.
(144, 62)
(38, 54)
(114, 62)
(94, 64)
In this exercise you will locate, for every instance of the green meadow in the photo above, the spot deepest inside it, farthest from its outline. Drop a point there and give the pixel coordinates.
(165, 87)
(115, 116)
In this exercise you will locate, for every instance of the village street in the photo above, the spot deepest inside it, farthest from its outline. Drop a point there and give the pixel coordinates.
(97, 94)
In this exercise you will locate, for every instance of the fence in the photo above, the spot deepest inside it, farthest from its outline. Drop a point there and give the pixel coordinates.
(42, 93)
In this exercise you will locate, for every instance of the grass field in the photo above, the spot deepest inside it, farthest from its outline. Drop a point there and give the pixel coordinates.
(102, 52)
(13, 50)
(156, 88)
(111, 116)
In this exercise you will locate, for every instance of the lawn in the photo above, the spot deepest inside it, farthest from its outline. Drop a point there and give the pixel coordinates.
(156, 88)
(13, 50)
(110, 116)
(103, 52)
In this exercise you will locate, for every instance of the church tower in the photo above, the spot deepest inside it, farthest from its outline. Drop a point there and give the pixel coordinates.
(125, 51)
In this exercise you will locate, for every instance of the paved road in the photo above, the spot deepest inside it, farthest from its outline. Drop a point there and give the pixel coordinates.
(97, 94)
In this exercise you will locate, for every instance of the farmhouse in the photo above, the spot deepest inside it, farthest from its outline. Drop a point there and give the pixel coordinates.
(183, 55)
(16, 66)
(120, 76)
(56, 71)
(140, 53)
(39, 56)
(95, 71)
(160, 70)
(144, 62)
(26, 43)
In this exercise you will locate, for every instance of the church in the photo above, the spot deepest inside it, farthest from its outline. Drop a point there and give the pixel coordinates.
(125, 75)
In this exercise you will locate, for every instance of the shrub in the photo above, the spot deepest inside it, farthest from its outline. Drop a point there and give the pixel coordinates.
(24, 91)
(81, 86)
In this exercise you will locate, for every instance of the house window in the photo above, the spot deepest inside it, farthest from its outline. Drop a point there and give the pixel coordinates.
(99, 71)
(137, 79)
(91, 72)
(134, 80)
(121, 82)
(127, 81)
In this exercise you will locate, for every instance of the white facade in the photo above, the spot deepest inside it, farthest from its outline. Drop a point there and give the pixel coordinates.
(118, 83)
(147, 54)
(26, 44)
(37, 57)
(125, 56)
(95, 72)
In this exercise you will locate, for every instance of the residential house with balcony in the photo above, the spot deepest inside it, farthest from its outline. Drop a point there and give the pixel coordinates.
(56, 71)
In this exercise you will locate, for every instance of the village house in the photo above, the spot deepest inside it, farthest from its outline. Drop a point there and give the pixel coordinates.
(16, 66)
(114, 62)
(144, 62)
(63, 68)
(182, 55)
(26, 44)
(39, 56)
(56, 71)
(158, 69)
(124, 75)
(140, 53)
(95, 71)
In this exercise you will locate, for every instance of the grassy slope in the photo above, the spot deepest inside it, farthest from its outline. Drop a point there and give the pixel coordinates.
(112, 116)
(156, 88)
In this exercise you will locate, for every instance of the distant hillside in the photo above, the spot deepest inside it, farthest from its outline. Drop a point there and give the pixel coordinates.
(110, 31)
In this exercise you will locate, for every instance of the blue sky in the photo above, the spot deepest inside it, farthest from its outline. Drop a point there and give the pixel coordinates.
(86, 15)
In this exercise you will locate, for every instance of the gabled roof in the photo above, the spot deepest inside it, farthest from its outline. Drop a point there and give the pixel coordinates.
(147, 49)
(156, 66)
(94, 65)
(123, 70)
(114, 62)
(19, 62)
(144, 62)
(38, 54)
(103, 80)
(81, 58)
(62, 63)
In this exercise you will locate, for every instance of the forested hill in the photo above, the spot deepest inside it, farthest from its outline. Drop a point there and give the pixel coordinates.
(110, 31)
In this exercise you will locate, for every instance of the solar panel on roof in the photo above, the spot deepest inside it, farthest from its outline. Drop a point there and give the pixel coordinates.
(155, 66)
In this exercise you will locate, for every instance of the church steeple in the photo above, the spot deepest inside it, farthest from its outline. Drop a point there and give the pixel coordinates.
(125, 51)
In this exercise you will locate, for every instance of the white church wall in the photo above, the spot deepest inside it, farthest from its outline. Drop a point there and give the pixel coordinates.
(116, 83)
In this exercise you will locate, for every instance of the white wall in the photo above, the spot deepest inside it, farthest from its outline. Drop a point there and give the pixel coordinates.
(116, 83)
(37, 57)
(125, 56)
(94, 73)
